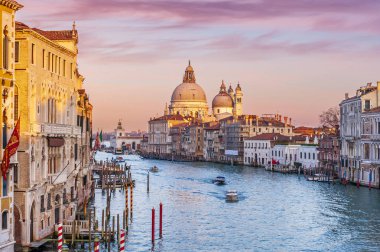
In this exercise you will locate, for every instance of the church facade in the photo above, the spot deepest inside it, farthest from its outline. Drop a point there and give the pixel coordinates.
(180, 133)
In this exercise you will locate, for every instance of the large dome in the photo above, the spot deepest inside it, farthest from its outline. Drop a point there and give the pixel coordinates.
(222, 100)
(188, 92)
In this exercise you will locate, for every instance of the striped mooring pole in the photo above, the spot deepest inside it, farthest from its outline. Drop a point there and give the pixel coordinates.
(60, 237)
(122, 240)
(96, 245)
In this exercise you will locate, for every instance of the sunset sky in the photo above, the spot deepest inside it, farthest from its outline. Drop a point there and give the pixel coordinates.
(296, 58)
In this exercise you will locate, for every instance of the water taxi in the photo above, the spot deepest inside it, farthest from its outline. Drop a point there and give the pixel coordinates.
(232, 196)
(154, 169)
(220, 180)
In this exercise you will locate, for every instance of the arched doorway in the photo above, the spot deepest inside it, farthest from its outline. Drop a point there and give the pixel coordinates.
(57, 208)
(31, 222)
(17, 217)
(133, 145)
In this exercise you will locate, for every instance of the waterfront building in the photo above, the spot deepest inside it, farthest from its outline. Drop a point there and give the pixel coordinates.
(329, 152)
(351, 110)
(159, 138)
(56, 120)
(308, 155)
(123, 141)
(370, 145)
(9, 114)
(258, 149)
(213, 140)
(237, 128)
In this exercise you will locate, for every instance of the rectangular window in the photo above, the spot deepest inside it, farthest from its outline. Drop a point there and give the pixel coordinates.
(59, 65)
(42, 206)
(76, 151)
(367, 104)
(15, 174)
(43, 58)
(33, 53)
(17, 51)
(71, 70)
(49, 201)
(49, 65)
(5, 187)
(64, 68)
(72, 193)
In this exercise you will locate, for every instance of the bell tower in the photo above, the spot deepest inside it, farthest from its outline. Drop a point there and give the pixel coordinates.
(238, 100)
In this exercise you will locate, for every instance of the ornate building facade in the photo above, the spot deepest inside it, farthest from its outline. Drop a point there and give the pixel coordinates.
(55, 132)
(9, 106)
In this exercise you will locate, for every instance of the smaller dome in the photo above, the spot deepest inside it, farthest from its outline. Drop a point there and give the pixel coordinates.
(223, 99)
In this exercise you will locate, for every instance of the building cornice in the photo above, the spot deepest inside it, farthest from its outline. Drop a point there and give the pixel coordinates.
(46, 40)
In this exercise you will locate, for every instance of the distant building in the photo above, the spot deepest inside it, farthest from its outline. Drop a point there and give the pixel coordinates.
(124, 141)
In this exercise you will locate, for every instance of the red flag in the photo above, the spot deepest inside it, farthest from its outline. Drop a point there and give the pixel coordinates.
(10, 149)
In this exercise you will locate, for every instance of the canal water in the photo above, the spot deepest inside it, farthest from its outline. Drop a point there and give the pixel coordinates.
(275, 212)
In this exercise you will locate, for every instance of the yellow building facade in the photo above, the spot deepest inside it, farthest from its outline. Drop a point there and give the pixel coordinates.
(55, 131)
(8, 116)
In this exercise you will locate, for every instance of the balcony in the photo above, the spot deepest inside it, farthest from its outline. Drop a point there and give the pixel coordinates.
(55, 129)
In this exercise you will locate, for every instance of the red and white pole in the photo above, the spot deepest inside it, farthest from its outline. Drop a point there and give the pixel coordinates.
(161, 220)
(122, 240)
(60, 237)
(96, 245)
(153, 225)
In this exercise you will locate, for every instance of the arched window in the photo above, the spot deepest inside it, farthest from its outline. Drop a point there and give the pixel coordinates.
(5, 48)
(4, 220)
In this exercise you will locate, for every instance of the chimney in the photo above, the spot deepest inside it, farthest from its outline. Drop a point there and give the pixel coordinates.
(285, 120)
(346, 96)
(290, 121)
(280, 117)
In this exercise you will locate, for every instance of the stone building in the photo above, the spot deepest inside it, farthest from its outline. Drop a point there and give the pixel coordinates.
(212, 142)
(9, 106)
(123, 141)
(351, 129)
(329, 152)
(159, 138)
(370, 145)
(56, 123)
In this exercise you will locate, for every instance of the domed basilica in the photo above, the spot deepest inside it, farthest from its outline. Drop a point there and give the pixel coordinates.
(189, 99)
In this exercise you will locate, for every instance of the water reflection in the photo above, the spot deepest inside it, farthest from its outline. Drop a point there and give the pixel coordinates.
(275, 212)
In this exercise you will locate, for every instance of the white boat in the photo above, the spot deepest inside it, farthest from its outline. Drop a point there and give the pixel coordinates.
(232, 196)
(154, 169)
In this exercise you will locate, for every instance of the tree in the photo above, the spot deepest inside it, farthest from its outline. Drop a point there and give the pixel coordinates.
(330, 118)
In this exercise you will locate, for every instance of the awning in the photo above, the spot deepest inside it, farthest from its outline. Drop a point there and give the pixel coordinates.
(56, 141)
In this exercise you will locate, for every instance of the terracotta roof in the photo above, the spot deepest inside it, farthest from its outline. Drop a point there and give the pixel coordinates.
(52, 35)
(269, 137)
(11, 4)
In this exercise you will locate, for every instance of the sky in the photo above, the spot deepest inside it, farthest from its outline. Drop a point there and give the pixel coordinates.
(295, 58)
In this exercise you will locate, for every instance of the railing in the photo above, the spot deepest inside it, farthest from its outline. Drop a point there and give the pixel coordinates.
(58, 178)
(61, 129)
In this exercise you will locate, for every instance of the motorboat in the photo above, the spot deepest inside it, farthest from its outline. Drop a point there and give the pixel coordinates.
(220, 180)
(119, 159)
(320, 178)
(154, 169)
(232, 196)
